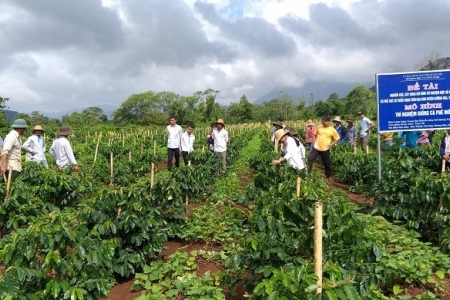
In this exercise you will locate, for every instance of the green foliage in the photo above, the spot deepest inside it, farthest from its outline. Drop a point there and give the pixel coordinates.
(176, 279)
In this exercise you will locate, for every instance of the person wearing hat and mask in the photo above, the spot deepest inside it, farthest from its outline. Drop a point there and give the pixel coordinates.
(294, 152)
(340, 129)
(309, 135)
(12, 146)
(220, 136)
(365, 125)
(35, 146)
(276, 126)
(351, 136)
(325, 137)
(62, 151)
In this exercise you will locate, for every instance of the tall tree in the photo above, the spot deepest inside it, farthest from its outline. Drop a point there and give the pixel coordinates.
(360, 98)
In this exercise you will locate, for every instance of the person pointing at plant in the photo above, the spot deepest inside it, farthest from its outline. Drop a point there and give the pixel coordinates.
(12, 146)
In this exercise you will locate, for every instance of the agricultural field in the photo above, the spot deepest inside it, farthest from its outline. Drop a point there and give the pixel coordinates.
(126, 228)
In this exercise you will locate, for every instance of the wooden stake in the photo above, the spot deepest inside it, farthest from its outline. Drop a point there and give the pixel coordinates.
(129, 156)
(367, 149)
(96, 151)
(203, 149)
(119, 209)
(154, 147)
(443, 167)
(187, 199)
(112, 168)
(299, 180)
(189, 163)
(318, 244)
(152, 176)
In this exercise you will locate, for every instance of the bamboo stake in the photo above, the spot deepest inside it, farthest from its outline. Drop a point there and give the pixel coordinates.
(154, 147)
(142, 149)
(8, 184)
(443, 167)
(152, 176)
(123, 140)
(96, 152)
(203, 149)
(318, 245)
(189, 163)
(299, 180)
(187, 199)
(367, 149)
(119, 209)
(112, 168)
(129, 156)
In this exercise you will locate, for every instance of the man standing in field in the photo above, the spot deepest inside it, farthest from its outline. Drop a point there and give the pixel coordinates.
(35, 146)
(351, 133)
(365, 125)
(62, 151)
(220, 136)
(325, 137)
(187, 142)
(12, 146)
(174, 132)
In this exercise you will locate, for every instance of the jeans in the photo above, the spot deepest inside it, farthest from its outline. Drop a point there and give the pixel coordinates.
(185, 154)
(171, 152)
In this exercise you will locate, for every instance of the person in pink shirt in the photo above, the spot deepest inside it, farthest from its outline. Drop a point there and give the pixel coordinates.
(310, 133)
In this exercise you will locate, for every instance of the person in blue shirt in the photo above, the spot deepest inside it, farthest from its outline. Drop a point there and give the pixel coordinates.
(410, 138)
(340, 129)
(365, 125)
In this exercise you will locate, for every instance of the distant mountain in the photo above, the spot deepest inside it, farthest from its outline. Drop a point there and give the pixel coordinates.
(108, 110)
(439, 64)
(318, 91)
(10, 114)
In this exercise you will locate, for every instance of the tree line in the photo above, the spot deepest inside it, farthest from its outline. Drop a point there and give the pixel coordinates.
(153, 108)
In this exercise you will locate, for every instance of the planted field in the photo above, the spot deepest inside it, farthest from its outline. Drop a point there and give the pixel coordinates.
(126, 228)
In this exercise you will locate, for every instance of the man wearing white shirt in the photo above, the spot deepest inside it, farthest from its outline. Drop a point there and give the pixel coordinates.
(62, 151)
(35, 146)
(187, 142)
(174, 132)
(220, 136)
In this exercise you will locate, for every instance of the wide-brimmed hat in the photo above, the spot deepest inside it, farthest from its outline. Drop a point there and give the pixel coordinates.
(291, 130)
(309, 123)
(38, 127)
(277, 124)
(349, 121)
(337, 119)
(19, 123)
(64, 130)
(220, 121)
(280, 133)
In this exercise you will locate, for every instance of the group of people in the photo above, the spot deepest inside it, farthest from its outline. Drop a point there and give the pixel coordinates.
(319, 140)
(179, 142)
(35, 148)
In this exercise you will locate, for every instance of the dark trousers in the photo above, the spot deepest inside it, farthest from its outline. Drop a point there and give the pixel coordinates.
(14, 175)
(325, 155)
(185, 154)
(171, 152)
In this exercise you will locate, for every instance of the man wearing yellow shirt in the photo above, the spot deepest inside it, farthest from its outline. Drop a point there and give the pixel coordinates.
(325, 136)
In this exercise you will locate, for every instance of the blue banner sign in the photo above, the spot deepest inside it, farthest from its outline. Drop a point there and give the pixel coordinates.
(413, 101)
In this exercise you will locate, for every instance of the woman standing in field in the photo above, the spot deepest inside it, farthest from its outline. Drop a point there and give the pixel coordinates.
(310, 128)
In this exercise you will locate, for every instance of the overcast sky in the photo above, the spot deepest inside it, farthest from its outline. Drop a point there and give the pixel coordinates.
(56, 55)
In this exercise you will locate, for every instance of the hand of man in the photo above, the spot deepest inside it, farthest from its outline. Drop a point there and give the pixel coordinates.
(275, 161)
(446, 157)
(4, 169)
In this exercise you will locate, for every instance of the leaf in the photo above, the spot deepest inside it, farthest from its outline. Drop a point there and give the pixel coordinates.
(351, 292)
(331, 294)
(397, 289)
(440, 273)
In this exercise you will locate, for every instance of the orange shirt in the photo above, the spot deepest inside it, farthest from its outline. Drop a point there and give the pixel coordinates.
(324, 137)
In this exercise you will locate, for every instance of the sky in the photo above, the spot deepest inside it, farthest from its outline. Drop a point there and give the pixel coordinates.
(59, 55)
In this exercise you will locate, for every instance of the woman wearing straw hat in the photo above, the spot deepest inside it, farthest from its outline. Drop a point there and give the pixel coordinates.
(294, 150)
(12, 146)
(35, 146)
(62, 151)
(220, 136)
